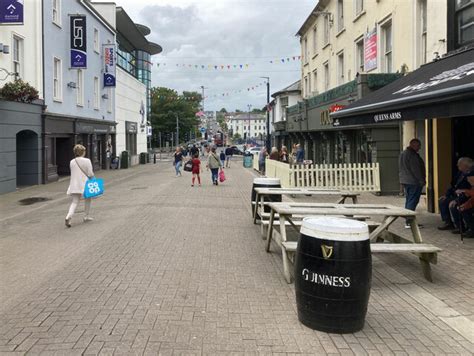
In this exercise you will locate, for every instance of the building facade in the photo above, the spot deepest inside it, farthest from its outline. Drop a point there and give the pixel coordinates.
(349, 49)
(248, 125)
(78, 107)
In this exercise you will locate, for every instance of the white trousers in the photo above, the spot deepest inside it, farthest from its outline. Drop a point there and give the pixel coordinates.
(75, 202)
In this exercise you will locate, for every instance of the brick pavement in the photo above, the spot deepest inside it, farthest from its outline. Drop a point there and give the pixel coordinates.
(169, 269)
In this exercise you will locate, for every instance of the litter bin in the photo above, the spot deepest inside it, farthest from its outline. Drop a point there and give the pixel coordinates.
(143, 158)
(125, 160)
(333, 274)
(266, 183)
(248, 160)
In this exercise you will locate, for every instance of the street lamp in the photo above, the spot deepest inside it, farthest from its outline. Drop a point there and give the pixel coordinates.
(249, 106)
(177, 129)
(268, 138)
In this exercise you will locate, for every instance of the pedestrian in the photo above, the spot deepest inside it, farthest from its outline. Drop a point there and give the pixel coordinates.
(274, 155)
(292, 157)
(81, 171)
(299, 154)
(213, 163)
(261, 160)
(464, 216)
(194, 150)
(412, 175)
(465, 169)
(284, 155)
(222, 158)
(178, 160)
(229, 152)
(196, 169)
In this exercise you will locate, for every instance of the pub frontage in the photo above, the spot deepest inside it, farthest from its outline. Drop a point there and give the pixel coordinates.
(440, 94)
(310, 124)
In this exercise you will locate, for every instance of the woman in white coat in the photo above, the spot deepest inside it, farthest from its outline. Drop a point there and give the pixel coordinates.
(81, 170)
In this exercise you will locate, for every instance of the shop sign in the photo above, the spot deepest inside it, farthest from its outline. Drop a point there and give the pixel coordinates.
(78, 41)
(11, 12)
(388, 116)
(324, 117)
(149, 131)
(131, 127)
(370, 50)
(336, 107)
(109, 65)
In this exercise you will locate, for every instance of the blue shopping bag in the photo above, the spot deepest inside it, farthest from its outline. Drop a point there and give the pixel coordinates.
(94, 188)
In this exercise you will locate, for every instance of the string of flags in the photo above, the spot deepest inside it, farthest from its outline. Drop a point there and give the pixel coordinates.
(220, 95)
(213, 67)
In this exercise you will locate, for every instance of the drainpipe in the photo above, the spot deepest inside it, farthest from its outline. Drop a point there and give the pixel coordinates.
(430, 156)
(43, 116)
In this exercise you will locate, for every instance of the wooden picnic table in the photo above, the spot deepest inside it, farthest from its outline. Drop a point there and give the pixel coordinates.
(261, 193)
(286, 211)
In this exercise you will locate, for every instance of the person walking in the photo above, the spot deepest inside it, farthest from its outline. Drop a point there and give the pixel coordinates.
(81, 170)
(178, 160)
(222, 158)
(299, 154)
(284, 155)
(213, 163)
(274, 155)
(196, 169)
(261, 160)
(412, 175)
(229, 152)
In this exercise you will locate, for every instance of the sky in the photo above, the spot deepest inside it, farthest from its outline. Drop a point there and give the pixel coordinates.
(225, 33)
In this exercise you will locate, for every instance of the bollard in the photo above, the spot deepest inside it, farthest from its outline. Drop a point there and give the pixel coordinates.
(154, 158)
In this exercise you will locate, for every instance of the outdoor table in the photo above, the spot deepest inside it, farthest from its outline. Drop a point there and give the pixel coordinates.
(286, 211)
(261, 193)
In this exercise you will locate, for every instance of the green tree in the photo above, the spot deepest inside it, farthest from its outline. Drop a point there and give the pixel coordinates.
(166, 104)
(223, 110)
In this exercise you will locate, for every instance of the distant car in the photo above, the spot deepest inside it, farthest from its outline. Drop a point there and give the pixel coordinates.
(236, 150)
(253, 150)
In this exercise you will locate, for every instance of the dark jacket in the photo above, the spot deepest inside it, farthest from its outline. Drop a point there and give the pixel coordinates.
(459, 182)
(412, 168)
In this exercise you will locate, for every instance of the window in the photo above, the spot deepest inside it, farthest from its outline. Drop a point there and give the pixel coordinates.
(326, 76)
(306, 92)
(57, 79)
(359, 6)
(326, 30)
(17, 56)
(340, 15)
(423, 26)
(359, 55)
(109, 100)
(387, 47)
(309, 83)
(57, 12)
(315, 81)
(305, 50)
(80, 88)
(96, 40)
(340, 68)
(315, 41)
(464, 13)
(96, 94)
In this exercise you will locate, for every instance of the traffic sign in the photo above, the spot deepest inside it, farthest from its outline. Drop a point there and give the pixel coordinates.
(202, 129)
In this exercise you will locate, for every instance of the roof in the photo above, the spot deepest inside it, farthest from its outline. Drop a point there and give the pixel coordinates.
(444, 88)
(312, 16)
(295, 87)
(135, 34)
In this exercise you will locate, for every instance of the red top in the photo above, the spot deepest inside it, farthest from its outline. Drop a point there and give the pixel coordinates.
(196, 165)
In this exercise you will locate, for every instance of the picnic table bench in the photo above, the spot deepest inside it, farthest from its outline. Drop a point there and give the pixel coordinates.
(286, 211)
(261, 193)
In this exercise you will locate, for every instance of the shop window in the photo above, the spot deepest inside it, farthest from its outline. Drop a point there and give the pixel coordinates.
(131, 143)
(57, 79)
(18, 58)
(56, 6)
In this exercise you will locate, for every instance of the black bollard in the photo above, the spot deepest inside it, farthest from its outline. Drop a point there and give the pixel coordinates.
(154, 158)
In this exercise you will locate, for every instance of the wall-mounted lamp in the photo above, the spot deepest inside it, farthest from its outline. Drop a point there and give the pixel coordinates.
(72, 85)
(105, 96)
(5, 49)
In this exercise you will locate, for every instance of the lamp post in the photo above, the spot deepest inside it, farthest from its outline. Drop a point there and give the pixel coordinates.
(249, 106)
(177, 129)
(268, 137)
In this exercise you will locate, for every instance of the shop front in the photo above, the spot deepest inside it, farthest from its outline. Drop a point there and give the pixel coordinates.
(61, 133)
(440, 94)
(131, 131)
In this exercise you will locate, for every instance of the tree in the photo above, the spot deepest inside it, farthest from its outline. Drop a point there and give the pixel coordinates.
(237, 110)
(257, 111)
(223, 110)
(166, 104)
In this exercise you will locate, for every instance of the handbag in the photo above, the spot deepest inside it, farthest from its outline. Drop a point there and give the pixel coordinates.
(94, 187)
(221, 176)
(188, 166)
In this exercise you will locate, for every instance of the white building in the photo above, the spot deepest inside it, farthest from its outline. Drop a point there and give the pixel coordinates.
(284, 98)
(248, 125)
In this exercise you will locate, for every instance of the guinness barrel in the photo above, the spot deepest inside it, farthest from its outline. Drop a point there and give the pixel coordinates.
(266, 183)
(333, 274)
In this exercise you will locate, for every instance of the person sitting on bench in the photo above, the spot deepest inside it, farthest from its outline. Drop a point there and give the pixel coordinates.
(466, 169)
(463, 211)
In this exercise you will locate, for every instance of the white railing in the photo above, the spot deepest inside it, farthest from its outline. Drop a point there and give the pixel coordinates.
(359, 177)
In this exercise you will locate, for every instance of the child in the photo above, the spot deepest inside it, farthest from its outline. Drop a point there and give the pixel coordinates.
(196, 169)
(222, 158)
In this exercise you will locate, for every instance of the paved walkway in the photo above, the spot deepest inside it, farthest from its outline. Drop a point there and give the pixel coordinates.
(169, 269)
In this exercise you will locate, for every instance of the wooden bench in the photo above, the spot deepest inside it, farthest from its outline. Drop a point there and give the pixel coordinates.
(427, 253)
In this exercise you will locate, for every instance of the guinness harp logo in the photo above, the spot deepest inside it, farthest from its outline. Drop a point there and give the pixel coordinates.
(327, 251)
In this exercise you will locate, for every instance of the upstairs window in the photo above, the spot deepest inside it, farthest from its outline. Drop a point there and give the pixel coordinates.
(359, 6)
(387, 54)
(57, 79)
(315, 41)
(326, 76)
(96, 40)
(340, 68)
(57, 12)
(359, 56)
(326, 30)
(17, 57)
(96, 93)
(340, 15)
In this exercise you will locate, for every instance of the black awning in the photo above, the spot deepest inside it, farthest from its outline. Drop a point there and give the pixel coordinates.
(444, 88)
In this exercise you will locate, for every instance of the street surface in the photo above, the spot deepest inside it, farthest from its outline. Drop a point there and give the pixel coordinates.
(173, 270)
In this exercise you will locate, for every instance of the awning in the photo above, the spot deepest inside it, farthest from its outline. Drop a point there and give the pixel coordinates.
(444, 88)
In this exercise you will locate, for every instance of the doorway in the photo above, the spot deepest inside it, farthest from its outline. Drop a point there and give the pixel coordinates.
(27, 158)
(463, 129)
(63, 155)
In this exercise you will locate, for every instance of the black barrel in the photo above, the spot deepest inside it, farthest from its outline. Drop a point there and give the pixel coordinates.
(333, 274)
(266, 183)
